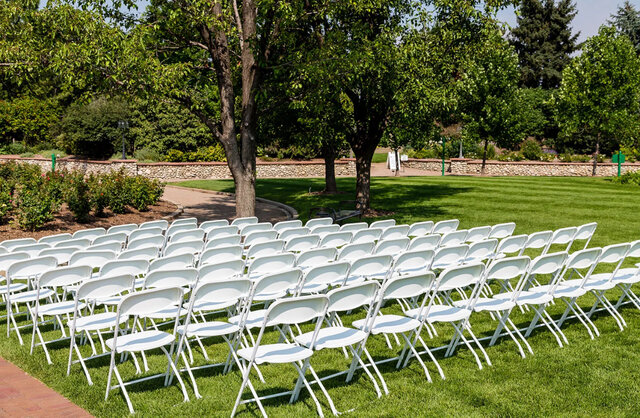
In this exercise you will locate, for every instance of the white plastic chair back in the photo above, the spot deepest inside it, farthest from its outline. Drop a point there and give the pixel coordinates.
(460, 276)
(367, 235)
(103, 288)
(395, 232)
(414, 261)
(406, 287)
(318, 221)
(10, 244)
(583, 259)
(330, 274)
(95, 259)
(190, 235)
(585, 233)
(634, 250)
(174, 229)
(222, 231)
(508, 268)
(613, 253)
(90, 234)
(62, 254)
(548, 263)
(151, 301)
(352, 297)
(289, 233)
(116, 247)
(263, 249)
(453, 238)
(144, 253)
(31, 268)
(146, 233)
(221, 254)
(316, 257)
(443, 227)
(260, 236)
(449, 256)
(336, 239)
(271, 264)
(355, 251)
(276, 285)
(512, 245)
(171, 278)
(206, 226)
(392, 247)
(185, 247)
(173, 262)
(383, 224)
(223, 241)
(80, 243)
(419, 229)
(120, 267)
(185, 221)
(3, 251)
(375, 266)
(479, 233)
(281, 226)
(8, 259)
(296, 311)
(244, 221)
(119, 237)
(31, 249)
(160, 223)
(220, 271)
(563, 236)
(247, 229)
(353, 227)
(53, 239)
(538, 240)
(222, 294)
(425, 242)
(64, 276)
(126, 228)
(500, 231)
(482, 250)
(156, 241)
(302, 243)
(324, 230)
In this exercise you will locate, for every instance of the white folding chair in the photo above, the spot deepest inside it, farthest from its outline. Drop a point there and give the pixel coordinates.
(31, 249)
(220, 271)
(372, 267)
(144, 253)
(94, 259)
(146, 233)
(160, 223)
(449, 256)
(126, 228)
(174, 229)
(367, 235)
(336, 239)
(289, 233)
(425, 242)
(392, 247)
(454, 238)
(537, 241)
(246, 229)
(511, 245)
(585, 233)
(115, 237)
(116, 247)
(353, 227)
(89, 234)
(323, 230)
(320, 278)
(10, 244)
(302, 243)
(563, 236)
(280, 226)
(352, 252)
(383, 224)
(53, 239)
(318, 221)
(185, 221)
(222, 231)
(79, 243)
(419, 229)
(316, 257)
(413, 261)
(501, 231)
(137, 268)
(3, 251)
(5, 261)
(131, 340)
(206, 226)
(265, 248)
(395, 232)
(244, 221)
(62, 254)
(258, 237)
(625, 278)
(480, 251)
(221, 254)
(270, 264)
(444, 227)
(155, 241)
(479, 233)
(223, 241)
(188, 235)
(173, 262)
(183, 247)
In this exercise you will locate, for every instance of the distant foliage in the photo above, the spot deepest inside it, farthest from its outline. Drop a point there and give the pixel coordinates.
(531, 150)
(213, 153)
(27, 120)
(628, 178)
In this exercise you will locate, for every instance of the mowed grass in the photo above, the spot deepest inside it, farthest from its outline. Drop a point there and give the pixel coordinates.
(588, 377)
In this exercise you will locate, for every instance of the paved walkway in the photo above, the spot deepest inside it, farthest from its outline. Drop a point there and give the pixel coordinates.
(24, 396)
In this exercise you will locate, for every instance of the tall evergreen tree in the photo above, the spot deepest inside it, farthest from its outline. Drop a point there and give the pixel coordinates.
(627, 22)
(544, 41)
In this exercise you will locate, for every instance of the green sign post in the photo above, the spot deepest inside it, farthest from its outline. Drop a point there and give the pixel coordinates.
(618, 159)
(444, 141)
(53, 162)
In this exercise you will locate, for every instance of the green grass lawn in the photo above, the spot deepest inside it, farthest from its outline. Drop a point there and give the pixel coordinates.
(379, 157)
(586, 378)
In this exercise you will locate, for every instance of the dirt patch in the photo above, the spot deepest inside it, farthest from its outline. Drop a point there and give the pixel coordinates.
(372, 213)
(64, 222)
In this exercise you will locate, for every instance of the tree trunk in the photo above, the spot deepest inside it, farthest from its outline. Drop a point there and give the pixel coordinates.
(595, 156)
(330, 185)
(245, 182)
(484, 155)
(363, 182)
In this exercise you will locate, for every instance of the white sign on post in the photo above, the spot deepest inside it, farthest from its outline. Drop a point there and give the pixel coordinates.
(391, 161)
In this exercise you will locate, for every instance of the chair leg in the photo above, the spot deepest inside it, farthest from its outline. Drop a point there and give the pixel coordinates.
(519, 334)
(357, 358)
(123, 389)
(301, 373)
(323, 390)
(177, 373)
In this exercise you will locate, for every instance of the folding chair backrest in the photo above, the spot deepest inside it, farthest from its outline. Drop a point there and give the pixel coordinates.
(276, 285)
(174, 229)
(222, 231)
(372, 266)
(32, 267)
(146, 233)
(328, 274)
(419, 229)
(185, 221)
(8, 259)
(119, 237)
(150, 301)
(62, 254)
(244, 221)
(206, 226)
(501, 231)
(220, 271)
(479, 233)
(116, 247)
(353, 227)
(425, 242)
(583, 259)
(126, 228)
(443, 227)
(367, 235)
(460, 276)
(263, 249)
(336, 239)
(223, 241)
(302, 243)
(105, 287)
(187, 277)
(64, 276)
(318, 221)
(95, 259)
(188, 235)
(395, 232)
(585, 232)
(144, 253)
(323, 230)
(247, 229)
(10, 244)
(614, 253)
(160, 223)
(260, 236)
(79, 243)
(120, 267)
(383, 224)
(482, 250)
(173, 262)
(634, 250)
(563, 236)
(414, 260)
(508, 268)
(52, 239)
(448, 256)
(548, 263)
(227, 292)
(155, 241)
(392, 246)
(289, 233)
(538, 240)
(31, 249)
(89, 234)
(280, 226)
(316, 257)
(296, 310)
(352, 297)
(355, 251)
(512, 245)
(454, 238)
(184, 247)
(272, 263)
(3, 251)
(408, 286)
(221, 254)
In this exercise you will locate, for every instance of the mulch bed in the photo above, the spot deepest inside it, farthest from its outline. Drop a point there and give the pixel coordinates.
(64, 222)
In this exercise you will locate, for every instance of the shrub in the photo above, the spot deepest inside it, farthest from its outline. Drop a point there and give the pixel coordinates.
(116, 185)
(511, 156)
(531, 150)
(6, 201)
(34, 208)
(77, 197)
(632, 177)
(98, 194)
(143, 192)
(174, 156)
(147, 154)
(212, 153)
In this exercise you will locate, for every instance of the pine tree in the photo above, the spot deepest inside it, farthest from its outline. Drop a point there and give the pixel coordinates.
(544, 41)
(627, 22)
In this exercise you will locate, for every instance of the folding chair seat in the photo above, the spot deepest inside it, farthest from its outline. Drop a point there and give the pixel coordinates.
(383, 224)
(174, 262)
(174, 229)
(336, 239)
(10, 244)
(160, 223)
(444, 227)
(289, 233)
(395, 232)
(413, 261)
(144, 253)
(206, 226)
(324, 230)
(392, 247)
(244, 221)
(62, 254)
(247, 229)
(537, 241)
(479, 233)
(221, 254)
(302, 243)
(352, 251)
(57, 281)
(425, 242)
(223, 241)
(53, 239)
(222, 232)
(501, 231)
(126, 229)
(265, 248)
(220, 271)
(316, 257)
(353, 227)
(449, 257)
(185, 221)
(481, 251)
(31, 249)
(563, 236)
(367, 235)
(318, 221)
(94, 259)
(183, 247)
(116, 247)
(511, 245)
(143, 304)
(146, 233)
(454, 238)
(271, 264)
(188, 235)
(259, 237)
(281, 226)
(284, 313)
(79, 243)
(117, 237)
(155, 241)
(372, 267)
(89, 234)
(585, 233)
(318, 279)
(419, 229)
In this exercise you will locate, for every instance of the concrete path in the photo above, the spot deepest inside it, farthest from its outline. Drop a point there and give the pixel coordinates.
(24, 396)
(381, 170)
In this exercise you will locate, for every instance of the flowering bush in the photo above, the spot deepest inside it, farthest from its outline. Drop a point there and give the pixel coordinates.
(77, 197)
(143, 192)
(6, 202)
(34, 208)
